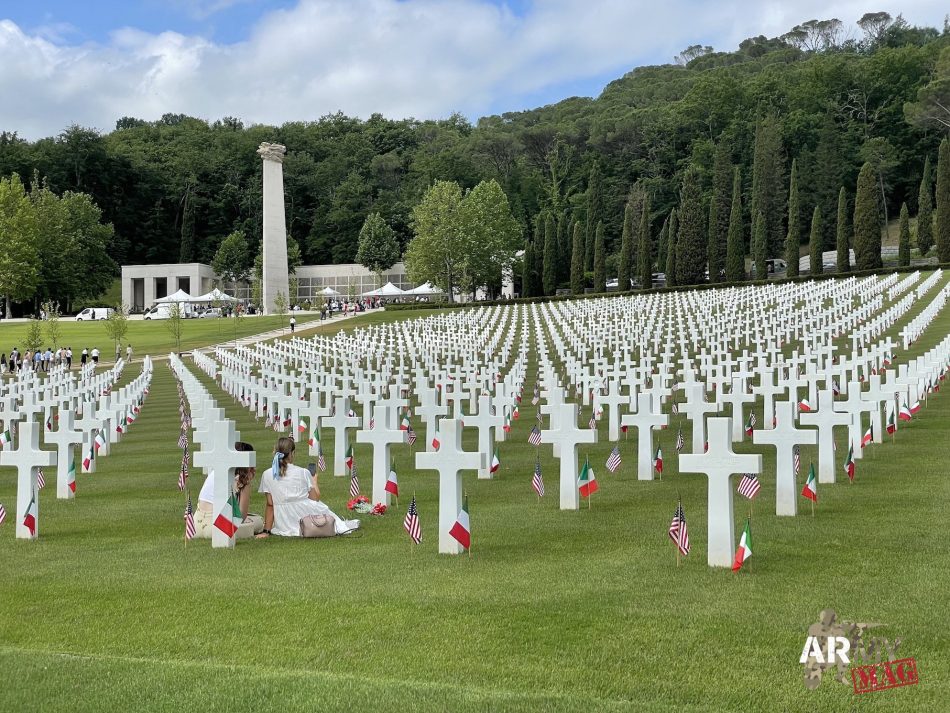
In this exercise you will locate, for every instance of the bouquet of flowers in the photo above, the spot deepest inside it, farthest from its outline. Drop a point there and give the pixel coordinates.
(378, 509)
(359, 504)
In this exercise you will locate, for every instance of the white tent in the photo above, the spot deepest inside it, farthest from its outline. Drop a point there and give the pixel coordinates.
(215, 295)
(180, 296)
(329, 292)
(427, 288)
(387, 290)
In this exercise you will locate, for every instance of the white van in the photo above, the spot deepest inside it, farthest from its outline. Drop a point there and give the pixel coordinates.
(163, 310)
(93, 313)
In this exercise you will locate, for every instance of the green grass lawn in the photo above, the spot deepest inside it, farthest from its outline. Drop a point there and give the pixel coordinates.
(553, 611)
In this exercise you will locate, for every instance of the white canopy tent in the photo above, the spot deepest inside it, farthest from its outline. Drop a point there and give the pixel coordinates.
(329, 292)
(426, 288)
(180, 296)
(215, 295)
(387, 290)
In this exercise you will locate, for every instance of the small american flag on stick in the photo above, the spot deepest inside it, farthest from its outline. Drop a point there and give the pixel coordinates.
(537, 482)
(797, 460)
(411, 523)
(749, 486)
(189, 520)
(613, 462)
(678, 532)
(354, 482)
(40, 478)
(680, 443)
(535, 437)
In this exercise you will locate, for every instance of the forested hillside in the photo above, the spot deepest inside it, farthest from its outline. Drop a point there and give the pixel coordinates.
(174, 188)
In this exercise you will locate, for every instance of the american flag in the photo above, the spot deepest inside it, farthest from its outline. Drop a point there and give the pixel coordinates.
(321, 461)
(354, 481)
(749, 486)
(537, 482)
(593, 421)
(797, 460)
(183, 476)
(535, 437)
(680, 443)
(40, 479)
(613, 462)
(3, 513)
(190, 531)
(535, 396)
(411, 523)
(676, 408)
(678, 532)
(182, 440)
(539, 417)
(185, 458)
(410, 435)
(752, 420)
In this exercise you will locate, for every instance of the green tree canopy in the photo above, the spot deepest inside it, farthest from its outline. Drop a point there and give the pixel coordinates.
(378, 247)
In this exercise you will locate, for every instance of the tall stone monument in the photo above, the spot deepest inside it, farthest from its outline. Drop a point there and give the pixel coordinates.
(275, 278)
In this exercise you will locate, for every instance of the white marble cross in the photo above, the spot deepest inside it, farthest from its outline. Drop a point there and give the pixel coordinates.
(450, 460)
(339, 422)
(486, 422)
(381, 437)
(65, 437)
(612, 399)
(826, 418)
(696, 408)
(785, 436)
(737, 397)
(26, 459)
(567, 436)
(89, 424)
(645, 420)
(719, 463)
(219, 459)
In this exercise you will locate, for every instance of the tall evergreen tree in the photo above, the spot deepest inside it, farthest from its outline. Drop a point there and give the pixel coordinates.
(867, 221)
(187, 252)
(527, 270)
(595, 213)
(626, 245)
(842, 236)
(794, 236)
(925, 211)
(671, 249)
(551, 257)
(768, 183)
(692, 240)
(828, 173)
(600, 260)
(719, 209)
(903, 245)
(943, 202)
(735, 248)
(662, 244)
(577, 260)
(539, 261)
(563, 248)
(646, 246)
(816, 246)
(760, 240)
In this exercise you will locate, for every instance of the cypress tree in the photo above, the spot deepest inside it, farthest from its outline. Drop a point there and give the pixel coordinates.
(719, 209)
(551, 257)
(867, 221)
(768, 183)
(828, 173)
(760, 241)
(925, 212)
(563, 248)
(577, 260)
(794, 236)
(187, 249)
(663, 242)
(816, 243)
(538, 261)
(646, 246)
(600, 260)
(595, 214)
(671, 249)
(692, 239)
(527, 270)
(943, 202)
(903, 249)
(735, 248)
(626, 246)
(842, 239)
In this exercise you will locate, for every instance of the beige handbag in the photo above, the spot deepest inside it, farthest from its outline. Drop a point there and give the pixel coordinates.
(317, 526)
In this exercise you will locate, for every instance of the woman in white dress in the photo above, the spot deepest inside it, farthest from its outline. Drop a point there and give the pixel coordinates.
(292, 493)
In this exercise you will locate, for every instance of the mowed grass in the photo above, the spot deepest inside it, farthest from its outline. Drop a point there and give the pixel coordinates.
(553, 610)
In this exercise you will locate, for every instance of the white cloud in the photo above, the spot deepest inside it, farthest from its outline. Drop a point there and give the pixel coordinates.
(423, 58)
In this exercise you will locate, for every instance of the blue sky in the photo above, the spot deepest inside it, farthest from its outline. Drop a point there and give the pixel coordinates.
(91, 62)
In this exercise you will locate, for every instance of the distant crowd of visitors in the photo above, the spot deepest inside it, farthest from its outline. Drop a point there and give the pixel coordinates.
(43, 360)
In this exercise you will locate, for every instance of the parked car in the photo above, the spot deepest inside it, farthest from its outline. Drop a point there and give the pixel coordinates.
(163, 310)
(210, 313)
(93, 313)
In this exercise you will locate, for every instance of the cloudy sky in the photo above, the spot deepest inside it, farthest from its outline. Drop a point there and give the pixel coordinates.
(93, 61)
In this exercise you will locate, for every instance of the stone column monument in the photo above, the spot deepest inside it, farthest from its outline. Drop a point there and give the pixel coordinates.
(275, 277)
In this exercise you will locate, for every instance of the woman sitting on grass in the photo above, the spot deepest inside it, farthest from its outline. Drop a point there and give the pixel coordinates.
(204, 517)
(293, 493)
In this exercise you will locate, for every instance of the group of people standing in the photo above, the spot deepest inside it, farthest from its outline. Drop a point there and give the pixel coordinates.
(292, 493)
(43, 360)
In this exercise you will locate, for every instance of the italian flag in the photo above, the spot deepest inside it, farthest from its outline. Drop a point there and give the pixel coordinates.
(587, 483)
(891, 423)
(849, 463)
(748, 426)
(517, 413)
(904, 414)
(462, 529)
(915, 407)
(744, 552)
(99, 441)
(810, 490)
(804, 406)
(868, 436)
(5, 438)
(404, 423)
(29, 520)
(229, 517)
(658, 460)
(302, 427)
(436, 443)
(71, 476)
(89, 458)
(314, 438)
(349, 457)
(495, 462)
(392, 484)
(507, 426)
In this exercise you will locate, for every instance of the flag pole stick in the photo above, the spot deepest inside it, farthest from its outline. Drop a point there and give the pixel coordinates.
(812, 507)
